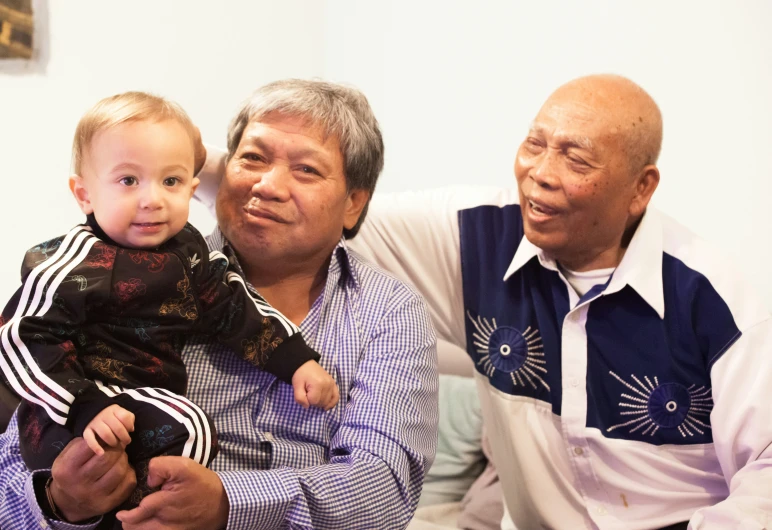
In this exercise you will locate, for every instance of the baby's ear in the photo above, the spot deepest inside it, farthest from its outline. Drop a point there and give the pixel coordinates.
(193, 185)
(79, 191)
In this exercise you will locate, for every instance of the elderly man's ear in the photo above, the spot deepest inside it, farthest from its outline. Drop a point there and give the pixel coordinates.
(355, 203)
(645, 184)
(80, 193)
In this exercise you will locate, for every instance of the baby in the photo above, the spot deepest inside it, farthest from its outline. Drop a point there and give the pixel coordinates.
(91, 341)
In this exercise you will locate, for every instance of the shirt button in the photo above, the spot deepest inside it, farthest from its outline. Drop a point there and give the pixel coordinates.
(578, 451)
(269, 436)
(601, 510)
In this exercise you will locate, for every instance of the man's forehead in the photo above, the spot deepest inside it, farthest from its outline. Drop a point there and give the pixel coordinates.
(574, 121)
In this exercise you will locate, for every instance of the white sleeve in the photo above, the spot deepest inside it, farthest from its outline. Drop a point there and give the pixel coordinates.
(210, 176)
(414, 235)
(742, 433)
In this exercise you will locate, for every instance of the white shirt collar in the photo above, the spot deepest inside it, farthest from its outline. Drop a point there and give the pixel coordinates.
(640, 268)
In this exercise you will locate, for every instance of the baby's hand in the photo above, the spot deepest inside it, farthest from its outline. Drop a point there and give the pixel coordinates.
(314, 386)
(112, 425)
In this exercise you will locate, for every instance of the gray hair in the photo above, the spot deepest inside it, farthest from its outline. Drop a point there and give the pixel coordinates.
(339, 110)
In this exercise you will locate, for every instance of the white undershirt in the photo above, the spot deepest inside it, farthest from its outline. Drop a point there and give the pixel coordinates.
(584, 281)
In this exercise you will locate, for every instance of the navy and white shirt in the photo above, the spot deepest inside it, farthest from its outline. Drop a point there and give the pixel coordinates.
(359, 465)
(642, 403)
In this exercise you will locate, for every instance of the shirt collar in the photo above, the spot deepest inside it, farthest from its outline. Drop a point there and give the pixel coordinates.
(340, 264)
(526, 251)
(640, 268)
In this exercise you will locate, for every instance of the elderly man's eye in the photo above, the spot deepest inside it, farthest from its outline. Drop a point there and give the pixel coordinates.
(253, 157)
(577, 161)
(309, 170)
(532, 144)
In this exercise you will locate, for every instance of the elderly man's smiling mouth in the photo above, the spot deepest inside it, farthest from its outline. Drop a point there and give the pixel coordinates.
(540, 210)
(260, 213)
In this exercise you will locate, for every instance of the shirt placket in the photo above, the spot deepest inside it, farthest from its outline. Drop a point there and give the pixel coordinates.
(574, 412)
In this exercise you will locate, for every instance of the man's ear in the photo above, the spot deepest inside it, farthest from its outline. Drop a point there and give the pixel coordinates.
(355, 203)
(645, 185)
(79, 191)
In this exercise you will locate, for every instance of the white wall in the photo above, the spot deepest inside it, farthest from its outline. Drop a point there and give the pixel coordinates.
(456, 83)
(206, 55)
(453, 83)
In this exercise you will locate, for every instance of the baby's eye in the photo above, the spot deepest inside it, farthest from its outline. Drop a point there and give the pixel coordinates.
(128, 181)
(171, 181)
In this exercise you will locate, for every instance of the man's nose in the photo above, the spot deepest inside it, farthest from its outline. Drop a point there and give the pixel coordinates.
(545, 170)
(273, 184)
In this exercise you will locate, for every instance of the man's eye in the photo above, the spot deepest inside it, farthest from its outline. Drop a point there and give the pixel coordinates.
(171, 181)
(309, 170)
(253, 157)
(532, 144)
(576, 160)
(128, 181)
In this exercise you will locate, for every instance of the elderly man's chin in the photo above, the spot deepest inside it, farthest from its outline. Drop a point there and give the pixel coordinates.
(551, 241)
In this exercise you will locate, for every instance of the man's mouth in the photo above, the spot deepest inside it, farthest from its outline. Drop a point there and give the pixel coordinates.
(263, 213)
(541, 209)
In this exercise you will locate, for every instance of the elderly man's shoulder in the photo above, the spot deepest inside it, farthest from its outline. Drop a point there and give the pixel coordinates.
(697, 266)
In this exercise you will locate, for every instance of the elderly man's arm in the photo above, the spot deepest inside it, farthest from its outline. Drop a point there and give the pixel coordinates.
(413, 235)
(742, 433)
(379, 454)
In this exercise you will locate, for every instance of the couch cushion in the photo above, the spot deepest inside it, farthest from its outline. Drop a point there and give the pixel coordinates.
(459, 457)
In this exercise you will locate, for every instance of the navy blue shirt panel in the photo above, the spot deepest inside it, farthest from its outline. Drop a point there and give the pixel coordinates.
(648, 379)
(513, 328)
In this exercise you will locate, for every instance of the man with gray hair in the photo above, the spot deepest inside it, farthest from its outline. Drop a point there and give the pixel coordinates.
(303, 161)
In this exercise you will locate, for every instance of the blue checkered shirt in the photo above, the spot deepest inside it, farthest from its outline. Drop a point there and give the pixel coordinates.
(360, 465)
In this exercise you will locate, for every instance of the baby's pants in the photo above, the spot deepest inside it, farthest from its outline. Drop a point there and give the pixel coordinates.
(165, 423)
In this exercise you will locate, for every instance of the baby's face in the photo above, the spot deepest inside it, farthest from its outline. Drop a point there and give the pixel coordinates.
(137, 178)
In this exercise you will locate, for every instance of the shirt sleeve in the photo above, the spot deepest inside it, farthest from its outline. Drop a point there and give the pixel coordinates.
(742, 433)
(247, 324)
(40, 330)
(415, 236)
(380, 453)
(19, 508)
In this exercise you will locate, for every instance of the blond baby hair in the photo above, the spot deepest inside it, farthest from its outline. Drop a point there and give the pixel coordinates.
(121, 108)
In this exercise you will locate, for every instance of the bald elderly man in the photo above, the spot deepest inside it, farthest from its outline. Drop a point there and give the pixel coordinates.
(624, 369)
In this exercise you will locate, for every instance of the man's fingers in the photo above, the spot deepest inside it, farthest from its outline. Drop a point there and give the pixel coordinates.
(118, 481)
(76, 453)
(162, 468)
(91, 441)
(146, 510)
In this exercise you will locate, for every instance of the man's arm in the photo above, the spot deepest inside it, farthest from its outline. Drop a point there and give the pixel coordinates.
(93, 485)
(377, 459)
(742, 433)
(413, 235)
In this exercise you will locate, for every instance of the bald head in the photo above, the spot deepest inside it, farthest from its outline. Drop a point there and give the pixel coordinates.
(624, 108)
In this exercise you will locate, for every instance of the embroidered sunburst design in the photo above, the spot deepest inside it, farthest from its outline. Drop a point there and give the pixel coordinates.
(665, 406)
(509, 350)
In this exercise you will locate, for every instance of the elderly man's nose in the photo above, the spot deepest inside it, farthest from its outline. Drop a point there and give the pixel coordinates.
(544, 171)
(273, 183)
